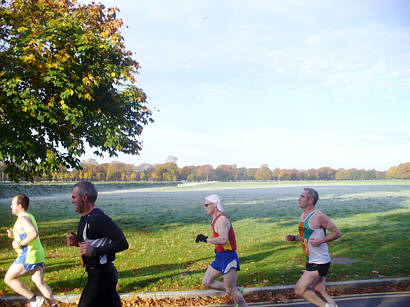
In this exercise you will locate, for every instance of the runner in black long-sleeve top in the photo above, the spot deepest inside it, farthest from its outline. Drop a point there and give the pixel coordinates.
(99, 238)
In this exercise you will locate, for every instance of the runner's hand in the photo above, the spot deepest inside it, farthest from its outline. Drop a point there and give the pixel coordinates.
(201, 238)
(315, 241)
(72, 239)
(10, 233)
(15, 244)
(86, 249)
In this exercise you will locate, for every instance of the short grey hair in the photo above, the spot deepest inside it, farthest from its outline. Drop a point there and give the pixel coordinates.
(87, 188)
(312, 193)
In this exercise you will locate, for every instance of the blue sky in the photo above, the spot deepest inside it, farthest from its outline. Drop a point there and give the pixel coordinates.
(291, 84)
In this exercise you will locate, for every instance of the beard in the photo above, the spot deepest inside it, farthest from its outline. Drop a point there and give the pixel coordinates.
(79, 208)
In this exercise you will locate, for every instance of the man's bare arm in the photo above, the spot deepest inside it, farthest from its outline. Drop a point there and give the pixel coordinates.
(292, 237)
(326, 223)
(222, 227)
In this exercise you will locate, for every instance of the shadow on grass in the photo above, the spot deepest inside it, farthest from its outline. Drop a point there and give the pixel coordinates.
(262, 255)
(166, 267)
(49, 267)
(77, 283)
(7, 261)
(152, 280)
(56, 267)
(149, 280)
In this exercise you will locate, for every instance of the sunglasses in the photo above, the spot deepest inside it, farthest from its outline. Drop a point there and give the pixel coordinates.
(207, 204)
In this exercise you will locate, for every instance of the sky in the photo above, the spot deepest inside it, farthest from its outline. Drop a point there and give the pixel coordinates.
(291, 84)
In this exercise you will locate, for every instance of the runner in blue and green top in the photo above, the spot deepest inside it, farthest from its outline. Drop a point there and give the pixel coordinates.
(312, 233)
(30, 254)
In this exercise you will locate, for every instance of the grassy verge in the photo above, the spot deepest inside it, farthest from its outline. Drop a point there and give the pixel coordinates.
(161, 224)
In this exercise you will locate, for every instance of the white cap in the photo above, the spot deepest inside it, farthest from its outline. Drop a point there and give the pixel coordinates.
(215, 199)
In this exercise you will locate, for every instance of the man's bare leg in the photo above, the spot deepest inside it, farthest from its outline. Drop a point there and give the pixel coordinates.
(15, 271)
(320, 287)
(209, 281)
(302, 288)
(38, 280)
(230, 279)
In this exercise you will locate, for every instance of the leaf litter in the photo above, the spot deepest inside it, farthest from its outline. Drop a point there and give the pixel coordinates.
(268, 297)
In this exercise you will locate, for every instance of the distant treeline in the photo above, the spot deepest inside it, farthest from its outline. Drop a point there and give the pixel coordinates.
(169, 171)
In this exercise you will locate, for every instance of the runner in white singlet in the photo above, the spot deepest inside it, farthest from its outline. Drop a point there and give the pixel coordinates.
(312, 233)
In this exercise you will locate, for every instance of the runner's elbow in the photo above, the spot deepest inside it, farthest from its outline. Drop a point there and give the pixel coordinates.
(224, 241)
(338, 234)
(123, 246)
(32, 236)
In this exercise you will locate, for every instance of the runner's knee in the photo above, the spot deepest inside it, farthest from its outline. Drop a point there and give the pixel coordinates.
(319, 289)
(37, 283)
(36, 280)
(206, 282)
(7, 280)
(230, 290)
(299, 291)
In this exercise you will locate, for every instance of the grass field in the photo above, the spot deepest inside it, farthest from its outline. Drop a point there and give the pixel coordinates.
(161, 224)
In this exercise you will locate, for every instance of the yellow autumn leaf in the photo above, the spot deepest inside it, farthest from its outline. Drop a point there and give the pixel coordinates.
(88, 96)
(52, 65)
(63, 105)
(21, 29)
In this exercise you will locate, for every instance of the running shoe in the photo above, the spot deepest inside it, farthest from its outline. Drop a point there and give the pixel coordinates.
(38, 302)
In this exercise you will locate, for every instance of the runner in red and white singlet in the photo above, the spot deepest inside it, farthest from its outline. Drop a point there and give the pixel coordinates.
(226, 259)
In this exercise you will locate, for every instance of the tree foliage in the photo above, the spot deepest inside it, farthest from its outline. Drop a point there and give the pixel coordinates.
(169, 171)
(402, 171)
(66, 79)
(166, 172)
(263, 173)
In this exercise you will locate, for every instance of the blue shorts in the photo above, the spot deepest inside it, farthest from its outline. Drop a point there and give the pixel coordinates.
(224, 261)
(27, 266)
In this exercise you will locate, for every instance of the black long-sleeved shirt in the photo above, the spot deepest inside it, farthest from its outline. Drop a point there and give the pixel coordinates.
(103, 234)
